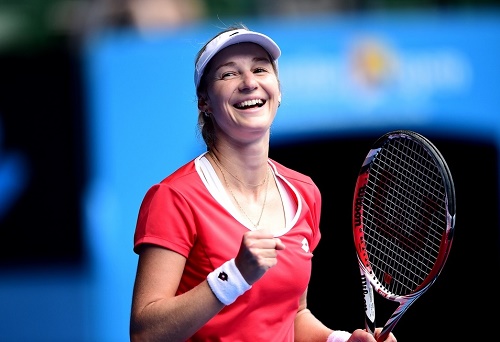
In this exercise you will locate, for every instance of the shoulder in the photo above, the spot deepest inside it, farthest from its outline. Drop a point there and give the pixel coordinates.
(184, 178)
(185, 170)
(304, 183)
(182, 183)
(292, 175)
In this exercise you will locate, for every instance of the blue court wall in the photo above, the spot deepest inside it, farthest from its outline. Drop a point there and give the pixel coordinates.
(340, 76)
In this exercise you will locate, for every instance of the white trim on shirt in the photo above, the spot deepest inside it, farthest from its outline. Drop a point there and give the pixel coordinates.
(217, 190)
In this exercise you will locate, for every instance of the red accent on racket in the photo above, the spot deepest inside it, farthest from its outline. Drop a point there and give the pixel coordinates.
(403, 221)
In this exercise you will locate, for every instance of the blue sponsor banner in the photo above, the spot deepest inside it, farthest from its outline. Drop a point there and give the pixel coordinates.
(438, 73)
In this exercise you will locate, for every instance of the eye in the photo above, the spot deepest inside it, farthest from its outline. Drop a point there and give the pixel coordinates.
(259, 70)
(227, 74)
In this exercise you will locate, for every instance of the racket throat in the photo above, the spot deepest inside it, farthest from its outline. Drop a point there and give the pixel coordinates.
(369, 304)
(394, 319)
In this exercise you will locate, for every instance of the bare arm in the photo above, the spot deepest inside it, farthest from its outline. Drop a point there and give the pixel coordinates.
(307, 327)
(157, 314)
(310, 329)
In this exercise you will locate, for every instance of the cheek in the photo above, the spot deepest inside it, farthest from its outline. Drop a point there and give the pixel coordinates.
(219, 94)
(276, 87)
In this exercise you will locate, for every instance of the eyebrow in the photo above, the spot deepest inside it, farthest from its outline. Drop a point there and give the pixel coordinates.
(255, 59)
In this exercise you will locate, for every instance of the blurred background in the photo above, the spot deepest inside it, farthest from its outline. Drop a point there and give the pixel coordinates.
(97, 103)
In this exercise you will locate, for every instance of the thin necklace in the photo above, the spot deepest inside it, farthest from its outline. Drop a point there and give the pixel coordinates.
(266, 180)
(219, 165)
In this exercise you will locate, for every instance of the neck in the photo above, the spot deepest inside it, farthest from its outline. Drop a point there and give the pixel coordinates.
(245, 202)
(247, 175)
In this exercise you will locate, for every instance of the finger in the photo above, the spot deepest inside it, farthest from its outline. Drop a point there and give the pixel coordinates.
(360, 335)
(279, 244)
(263, 234)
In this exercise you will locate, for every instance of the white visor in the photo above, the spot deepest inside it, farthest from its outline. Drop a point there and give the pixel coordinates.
(229, 38)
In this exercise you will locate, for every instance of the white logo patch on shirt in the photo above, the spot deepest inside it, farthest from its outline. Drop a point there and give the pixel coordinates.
(305, 245)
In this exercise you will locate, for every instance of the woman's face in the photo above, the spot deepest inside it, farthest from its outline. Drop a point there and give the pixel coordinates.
(243, 91)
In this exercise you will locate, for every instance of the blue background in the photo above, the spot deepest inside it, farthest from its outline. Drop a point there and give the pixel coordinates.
(428, 72)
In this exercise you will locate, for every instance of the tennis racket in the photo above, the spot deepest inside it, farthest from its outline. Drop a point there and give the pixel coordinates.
(403, 221)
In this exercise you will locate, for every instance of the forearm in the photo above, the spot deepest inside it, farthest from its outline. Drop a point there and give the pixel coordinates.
(176, 318)
(310, 329)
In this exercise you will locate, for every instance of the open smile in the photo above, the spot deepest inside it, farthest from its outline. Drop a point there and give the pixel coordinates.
(250, 104)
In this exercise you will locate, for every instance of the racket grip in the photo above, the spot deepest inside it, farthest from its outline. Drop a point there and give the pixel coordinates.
(369, 304)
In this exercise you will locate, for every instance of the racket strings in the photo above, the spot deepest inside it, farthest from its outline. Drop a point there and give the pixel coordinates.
(402, 213)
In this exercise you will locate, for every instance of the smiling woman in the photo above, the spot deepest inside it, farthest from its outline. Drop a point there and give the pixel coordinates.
(219, 238)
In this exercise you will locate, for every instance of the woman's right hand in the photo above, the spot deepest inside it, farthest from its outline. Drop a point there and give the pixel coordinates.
(258, 253)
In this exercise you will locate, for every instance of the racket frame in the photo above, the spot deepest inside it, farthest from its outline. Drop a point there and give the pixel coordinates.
(370, 283)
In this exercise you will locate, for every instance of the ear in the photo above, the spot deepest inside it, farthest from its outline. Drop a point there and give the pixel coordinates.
(203, 105)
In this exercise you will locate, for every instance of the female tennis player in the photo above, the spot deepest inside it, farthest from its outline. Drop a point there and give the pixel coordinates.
(225, 242)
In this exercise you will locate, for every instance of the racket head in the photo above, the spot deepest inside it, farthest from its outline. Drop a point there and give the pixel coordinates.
(403, 214)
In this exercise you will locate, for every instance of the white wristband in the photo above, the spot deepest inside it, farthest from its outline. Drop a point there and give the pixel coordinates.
(338, 336)
(227, 283)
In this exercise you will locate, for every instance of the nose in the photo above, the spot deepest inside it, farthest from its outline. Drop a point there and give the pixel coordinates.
(248, 81)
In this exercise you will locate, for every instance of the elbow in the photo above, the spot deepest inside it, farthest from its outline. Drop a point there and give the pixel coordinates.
(137, 334)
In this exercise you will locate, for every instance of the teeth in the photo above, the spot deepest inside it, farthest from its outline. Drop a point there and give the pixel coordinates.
(250, 103)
